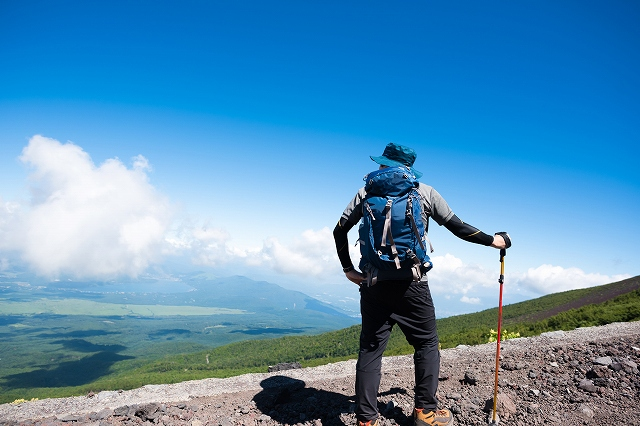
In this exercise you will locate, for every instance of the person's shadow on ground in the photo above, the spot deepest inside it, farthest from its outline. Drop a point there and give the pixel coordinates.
(288, 401)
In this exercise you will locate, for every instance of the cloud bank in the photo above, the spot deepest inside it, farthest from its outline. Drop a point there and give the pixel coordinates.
(83, 220)
(469, 283)
(547, 279)
(103, 221)
(310, 255)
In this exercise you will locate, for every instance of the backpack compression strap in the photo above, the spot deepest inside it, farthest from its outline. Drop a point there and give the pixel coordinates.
(386, 234)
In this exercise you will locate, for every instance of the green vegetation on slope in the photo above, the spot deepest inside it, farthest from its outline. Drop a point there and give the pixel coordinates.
(475, 330)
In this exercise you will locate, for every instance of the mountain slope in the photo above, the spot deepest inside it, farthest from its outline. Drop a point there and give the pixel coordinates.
(584, 297)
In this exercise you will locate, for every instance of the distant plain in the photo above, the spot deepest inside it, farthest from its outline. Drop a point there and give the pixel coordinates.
(70, 335)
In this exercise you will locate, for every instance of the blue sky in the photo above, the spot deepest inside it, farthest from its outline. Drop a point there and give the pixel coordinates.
(231, 135)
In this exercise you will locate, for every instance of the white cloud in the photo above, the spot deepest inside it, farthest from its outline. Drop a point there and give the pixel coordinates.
(312, 254)
(210, 246)
(84, 220)
(450, 275)
(547, 279)
(8, 221)
(140, 163)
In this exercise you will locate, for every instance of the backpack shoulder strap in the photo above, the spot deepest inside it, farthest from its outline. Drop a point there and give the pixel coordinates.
(410, 215)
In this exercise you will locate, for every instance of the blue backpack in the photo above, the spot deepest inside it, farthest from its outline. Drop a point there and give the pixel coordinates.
(392, 231)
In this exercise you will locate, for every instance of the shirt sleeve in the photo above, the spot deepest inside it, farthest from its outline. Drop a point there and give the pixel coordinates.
(434, 205)
(353, 212)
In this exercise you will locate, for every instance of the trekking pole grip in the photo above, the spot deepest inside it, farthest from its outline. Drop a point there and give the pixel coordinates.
(506, 237)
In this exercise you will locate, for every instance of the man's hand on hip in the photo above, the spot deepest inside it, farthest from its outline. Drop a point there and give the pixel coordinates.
(355, 277)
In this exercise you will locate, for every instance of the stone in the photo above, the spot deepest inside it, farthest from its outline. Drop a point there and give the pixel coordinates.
(469, 406)
(587, 385)
(599, 371)
(476, 400)
(629, 366)
(605, 360)
(101, 396)
(505, 407)
(70, 418)
(101, 415)
(585, 412)
(513, 365)
(121, 411)
(616, 366)
(554, 334)
(470, 378)
(284, 366)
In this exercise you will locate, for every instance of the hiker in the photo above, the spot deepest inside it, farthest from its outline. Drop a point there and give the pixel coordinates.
(398, 294)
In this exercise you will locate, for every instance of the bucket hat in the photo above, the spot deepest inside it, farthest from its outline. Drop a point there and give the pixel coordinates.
(397, 155)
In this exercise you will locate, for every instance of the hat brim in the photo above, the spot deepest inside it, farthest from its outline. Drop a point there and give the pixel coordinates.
(384, 161)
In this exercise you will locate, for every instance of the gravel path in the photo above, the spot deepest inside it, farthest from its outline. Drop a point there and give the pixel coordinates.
(586, 376)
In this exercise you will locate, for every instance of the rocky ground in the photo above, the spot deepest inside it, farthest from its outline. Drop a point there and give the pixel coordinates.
(586, 376)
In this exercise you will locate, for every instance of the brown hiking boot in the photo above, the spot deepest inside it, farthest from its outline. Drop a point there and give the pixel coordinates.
(438, 417)
(368, 423)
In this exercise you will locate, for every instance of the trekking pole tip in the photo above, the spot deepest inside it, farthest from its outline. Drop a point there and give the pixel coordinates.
(492, 420)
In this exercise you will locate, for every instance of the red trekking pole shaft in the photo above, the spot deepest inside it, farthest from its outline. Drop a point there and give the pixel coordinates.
(503, 253)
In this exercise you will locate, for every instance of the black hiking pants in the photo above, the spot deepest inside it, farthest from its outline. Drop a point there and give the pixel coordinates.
(409, 305)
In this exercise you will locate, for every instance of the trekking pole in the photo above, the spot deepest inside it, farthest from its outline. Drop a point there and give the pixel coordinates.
(503, 253)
